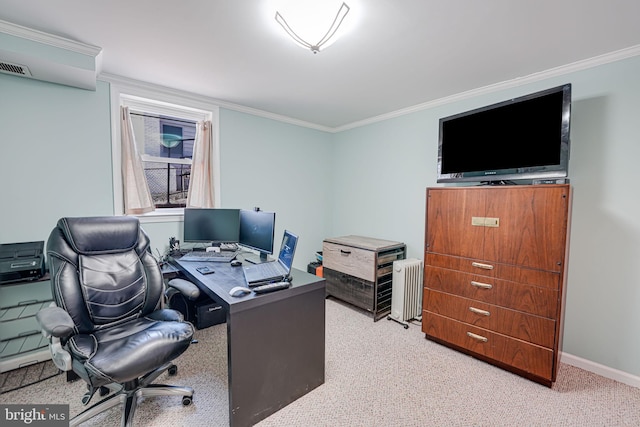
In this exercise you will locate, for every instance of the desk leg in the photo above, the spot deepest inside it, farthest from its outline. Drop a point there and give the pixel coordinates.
(276, 355)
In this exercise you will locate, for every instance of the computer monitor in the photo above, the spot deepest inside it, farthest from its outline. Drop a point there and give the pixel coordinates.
(211, 225)
(257, 230)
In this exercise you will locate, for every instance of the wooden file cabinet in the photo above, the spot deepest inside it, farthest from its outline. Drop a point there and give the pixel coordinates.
(358, 270)
(495, 267)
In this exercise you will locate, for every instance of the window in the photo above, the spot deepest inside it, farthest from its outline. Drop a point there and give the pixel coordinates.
(165, 124)
(166, 146)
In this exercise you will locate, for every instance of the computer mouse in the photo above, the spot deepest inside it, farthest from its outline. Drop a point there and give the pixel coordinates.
(238, 291)
(236, 263)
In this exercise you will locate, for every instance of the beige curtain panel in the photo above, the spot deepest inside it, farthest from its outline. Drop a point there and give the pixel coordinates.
(201, 193)
(137, 197)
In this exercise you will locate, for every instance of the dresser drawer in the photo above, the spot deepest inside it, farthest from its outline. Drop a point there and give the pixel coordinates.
(516, 296)
(513, 273)
(346, 259)
(350, 289)
(527, 357)
(527, 327)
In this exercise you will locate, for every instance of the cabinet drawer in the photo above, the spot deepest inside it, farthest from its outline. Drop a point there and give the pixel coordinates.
(527, 327)
(350, 289)
(346, 259)
(516, 296)
(545, 279)
(527, 357)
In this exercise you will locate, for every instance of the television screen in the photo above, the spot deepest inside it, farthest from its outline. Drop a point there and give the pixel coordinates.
(213, 225)
(523, 138)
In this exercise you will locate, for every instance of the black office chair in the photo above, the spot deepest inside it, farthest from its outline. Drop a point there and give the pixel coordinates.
(109, 325)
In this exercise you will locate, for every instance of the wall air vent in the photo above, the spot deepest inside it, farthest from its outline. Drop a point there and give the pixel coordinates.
(9, 68)
(25, 52)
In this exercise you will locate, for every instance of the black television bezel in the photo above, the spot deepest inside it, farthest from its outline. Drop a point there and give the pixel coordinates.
(552, 171)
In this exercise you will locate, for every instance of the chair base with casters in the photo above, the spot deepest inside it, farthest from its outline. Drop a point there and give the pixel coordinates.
(127, 395)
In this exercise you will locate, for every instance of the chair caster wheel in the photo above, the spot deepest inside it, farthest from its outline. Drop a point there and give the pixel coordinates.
(186, 400)
(172, 370)
(86, 398)
(104, 391)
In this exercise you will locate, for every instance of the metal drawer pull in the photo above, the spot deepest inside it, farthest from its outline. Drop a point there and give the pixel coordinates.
(478, 311)
(481, 285)
(481, 265)
(342, 251)
(477, 337)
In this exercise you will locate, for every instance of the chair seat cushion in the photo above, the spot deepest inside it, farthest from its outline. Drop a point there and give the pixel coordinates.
(131, 349)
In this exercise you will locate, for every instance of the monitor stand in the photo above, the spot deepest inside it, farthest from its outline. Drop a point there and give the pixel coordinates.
(255, 259)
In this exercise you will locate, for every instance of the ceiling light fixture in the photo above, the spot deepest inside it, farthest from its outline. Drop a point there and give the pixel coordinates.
(315, 48)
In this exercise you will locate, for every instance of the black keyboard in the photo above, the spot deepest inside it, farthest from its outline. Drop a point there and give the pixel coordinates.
(222, 256)
(270, 287)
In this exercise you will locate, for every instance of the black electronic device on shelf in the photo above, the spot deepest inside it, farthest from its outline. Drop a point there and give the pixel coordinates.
(21, 261)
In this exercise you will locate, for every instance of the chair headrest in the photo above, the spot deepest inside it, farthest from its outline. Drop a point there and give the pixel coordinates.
(100, 235)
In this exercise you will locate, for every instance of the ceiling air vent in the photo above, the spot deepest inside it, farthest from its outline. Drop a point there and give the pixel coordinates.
(9, 68)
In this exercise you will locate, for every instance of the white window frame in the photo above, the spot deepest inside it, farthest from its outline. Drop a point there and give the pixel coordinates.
(155, 99)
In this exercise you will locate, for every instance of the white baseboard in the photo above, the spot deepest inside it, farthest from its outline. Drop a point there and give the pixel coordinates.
(596, 368)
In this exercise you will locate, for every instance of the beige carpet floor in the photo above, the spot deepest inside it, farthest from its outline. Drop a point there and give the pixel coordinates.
(377, 374)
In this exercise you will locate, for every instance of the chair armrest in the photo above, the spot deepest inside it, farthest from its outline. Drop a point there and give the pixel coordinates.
(57, 325)
(186, 288)
(55, 322)
(166, 315)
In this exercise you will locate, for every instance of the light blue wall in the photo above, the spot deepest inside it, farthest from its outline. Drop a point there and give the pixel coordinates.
(56, 161)
(56, 156)
(281, 168)
(56, 151)
(384, 169)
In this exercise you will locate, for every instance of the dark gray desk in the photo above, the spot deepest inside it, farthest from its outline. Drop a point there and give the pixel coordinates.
(275, 341)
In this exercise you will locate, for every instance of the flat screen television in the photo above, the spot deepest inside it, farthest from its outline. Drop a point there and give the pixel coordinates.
(211, 225)
(519, 139)
(257, 231)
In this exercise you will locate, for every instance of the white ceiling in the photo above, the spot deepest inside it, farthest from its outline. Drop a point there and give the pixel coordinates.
(397, 55)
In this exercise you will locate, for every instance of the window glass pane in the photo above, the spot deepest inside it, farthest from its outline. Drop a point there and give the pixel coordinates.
(163, 137)
(168, 183)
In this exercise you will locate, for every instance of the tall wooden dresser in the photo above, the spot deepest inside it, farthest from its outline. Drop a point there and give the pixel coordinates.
(495, 270)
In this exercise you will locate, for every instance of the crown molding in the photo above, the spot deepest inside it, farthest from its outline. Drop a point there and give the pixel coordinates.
(205, 100)
(604, 59)
(596, 61)
(49, 39)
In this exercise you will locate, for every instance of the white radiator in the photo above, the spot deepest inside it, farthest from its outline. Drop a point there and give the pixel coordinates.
(406, 290)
